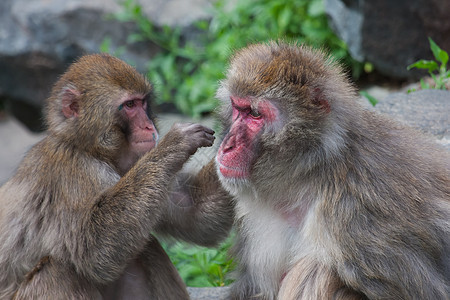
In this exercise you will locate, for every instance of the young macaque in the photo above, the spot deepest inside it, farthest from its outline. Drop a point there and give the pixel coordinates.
(77, 218)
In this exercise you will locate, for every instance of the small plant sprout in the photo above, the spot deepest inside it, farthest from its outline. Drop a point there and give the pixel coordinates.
(369, 97)
(442, 76)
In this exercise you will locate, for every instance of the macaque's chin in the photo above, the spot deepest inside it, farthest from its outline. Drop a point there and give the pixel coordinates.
(235, 181)
(235, 171)
(142, 147)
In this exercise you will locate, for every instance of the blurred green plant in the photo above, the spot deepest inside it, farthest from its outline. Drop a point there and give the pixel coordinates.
(442, 76)
(372, 99)
(201, 266)
(187, 73)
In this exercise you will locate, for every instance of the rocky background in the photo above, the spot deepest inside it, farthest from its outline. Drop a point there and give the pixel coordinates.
(40, 38)
(390, 34)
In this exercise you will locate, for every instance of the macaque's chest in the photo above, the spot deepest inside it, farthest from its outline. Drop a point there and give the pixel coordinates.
(273, 239)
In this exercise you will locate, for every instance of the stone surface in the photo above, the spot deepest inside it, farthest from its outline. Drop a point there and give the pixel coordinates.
(215, 293)
(391, 34)
(177, 12)
(426, 110)
(40, 38)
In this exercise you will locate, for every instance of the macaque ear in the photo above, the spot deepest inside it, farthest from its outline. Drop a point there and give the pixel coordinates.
(320, 100)
(70, 97)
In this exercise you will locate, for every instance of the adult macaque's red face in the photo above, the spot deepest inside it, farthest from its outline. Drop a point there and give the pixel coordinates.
(237, 151)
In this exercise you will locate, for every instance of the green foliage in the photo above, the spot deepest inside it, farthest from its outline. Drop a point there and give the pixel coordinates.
(200, 266)
(442, 76)
(106, 46)
(369, 97)
(187, 73)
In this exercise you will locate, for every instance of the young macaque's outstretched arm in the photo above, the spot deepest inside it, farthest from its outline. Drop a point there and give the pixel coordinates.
(200, 210)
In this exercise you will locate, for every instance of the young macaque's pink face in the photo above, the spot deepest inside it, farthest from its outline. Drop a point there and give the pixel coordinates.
(236, 153)
(141, 132)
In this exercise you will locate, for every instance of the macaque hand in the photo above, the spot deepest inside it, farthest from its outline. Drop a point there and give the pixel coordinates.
(191, 136)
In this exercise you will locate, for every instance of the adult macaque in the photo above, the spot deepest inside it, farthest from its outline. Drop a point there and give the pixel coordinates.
(76, 219)
(332, 201)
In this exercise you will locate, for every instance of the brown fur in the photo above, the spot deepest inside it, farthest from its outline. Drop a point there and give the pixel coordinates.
(69, 202)
(342, 200)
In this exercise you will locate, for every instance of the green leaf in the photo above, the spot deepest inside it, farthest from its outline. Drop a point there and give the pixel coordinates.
(204, 107)
(369, 97)
(438, 82)
(105, 46)
(446, 74)
(284, 19)
(438, 53)
(137, 10)
(135, 38)
(316, 8)
(424, 85)
(430, 65)
(167, 66)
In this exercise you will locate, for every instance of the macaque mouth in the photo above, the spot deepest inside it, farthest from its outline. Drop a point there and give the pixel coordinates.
(233, 172)
(144, 145)
(146, 140)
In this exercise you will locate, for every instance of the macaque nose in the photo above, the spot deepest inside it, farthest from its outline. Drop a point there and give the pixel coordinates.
(228, 143)
(227, 149)
(147, 125)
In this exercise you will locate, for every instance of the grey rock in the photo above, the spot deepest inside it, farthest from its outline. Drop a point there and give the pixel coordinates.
(347, 22)
(425, 110)
(177, 12)
(214, 293)
(391, 34)
(40, 38)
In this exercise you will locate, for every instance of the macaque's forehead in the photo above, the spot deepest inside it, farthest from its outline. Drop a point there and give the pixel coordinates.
(270, 70)
(94, 71)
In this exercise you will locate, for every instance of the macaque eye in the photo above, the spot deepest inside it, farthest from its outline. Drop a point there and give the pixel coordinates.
(130, 104)
(127, 104)
(254, 114)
